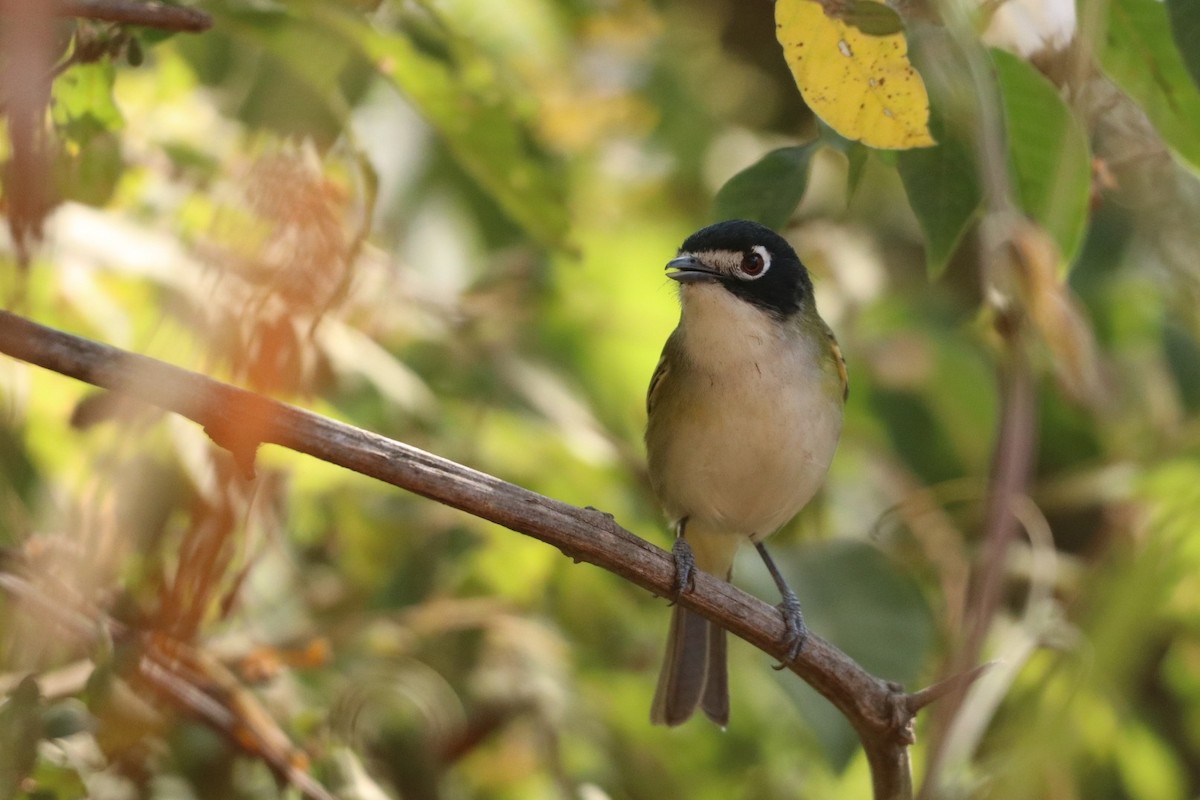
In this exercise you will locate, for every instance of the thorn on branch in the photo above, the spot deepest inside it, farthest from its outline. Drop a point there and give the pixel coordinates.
(955, 683)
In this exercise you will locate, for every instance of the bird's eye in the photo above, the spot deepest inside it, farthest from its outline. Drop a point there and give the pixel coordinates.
(755, 262)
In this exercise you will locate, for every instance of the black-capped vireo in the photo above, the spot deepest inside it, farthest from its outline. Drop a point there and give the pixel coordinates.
(745, 411)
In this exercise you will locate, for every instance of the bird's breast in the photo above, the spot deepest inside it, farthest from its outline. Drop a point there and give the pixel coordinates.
(755, 419)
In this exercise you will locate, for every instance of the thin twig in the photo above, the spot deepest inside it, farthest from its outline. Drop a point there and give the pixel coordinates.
(240, 421)
(1011, 467)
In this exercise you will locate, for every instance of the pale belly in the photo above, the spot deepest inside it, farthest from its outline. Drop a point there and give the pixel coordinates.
(755, 419)
(747, 472)
(746, 455)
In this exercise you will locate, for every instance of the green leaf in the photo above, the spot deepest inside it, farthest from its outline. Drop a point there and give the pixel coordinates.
(18, 472)
(1048, 151)
(1184, 16)
(1141, 57)
(135, 56)
(459, 92)
(857, 154)
(943, 190)
(284, 72)
(874, 19)
(89, 173)
(86, 117)
(315, 56)
(884, 623)
(83, 101)
(769, 190)
(20, 731)
(857, 157)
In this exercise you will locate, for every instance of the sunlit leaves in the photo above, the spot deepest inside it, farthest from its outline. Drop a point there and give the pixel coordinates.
(314, 66)
(1048, 150)
(87, 121)
(861, 85)
(539, 368)
(769, 190)
(83, 97)
(1142, 58)
(1146, 764)
(459, 92)
(280, 72)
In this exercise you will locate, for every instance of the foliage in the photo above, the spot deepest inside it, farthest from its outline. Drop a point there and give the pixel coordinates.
(448, 224)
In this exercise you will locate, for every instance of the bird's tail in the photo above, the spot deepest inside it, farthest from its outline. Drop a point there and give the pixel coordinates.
(693, 673)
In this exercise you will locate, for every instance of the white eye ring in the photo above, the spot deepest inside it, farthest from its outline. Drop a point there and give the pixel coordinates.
(754, 263)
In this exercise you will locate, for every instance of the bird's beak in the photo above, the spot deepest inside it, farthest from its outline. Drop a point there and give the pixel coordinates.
(689, 269)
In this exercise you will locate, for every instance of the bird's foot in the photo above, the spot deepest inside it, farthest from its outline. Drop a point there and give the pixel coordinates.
(795, 631)
(685, 568)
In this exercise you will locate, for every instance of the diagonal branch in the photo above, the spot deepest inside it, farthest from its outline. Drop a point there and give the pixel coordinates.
(240, 421)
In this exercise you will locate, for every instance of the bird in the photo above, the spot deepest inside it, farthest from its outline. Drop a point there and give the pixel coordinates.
(744, 413)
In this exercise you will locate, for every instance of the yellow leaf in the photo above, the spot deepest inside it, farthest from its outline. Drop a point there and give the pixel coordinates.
(862, 86)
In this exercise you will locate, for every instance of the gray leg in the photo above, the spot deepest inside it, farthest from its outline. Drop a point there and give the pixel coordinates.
(796, 631)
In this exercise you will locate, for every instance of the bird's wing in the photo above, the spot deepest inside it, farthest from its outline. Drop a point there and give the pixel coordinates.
(838, 359)
(660, 372)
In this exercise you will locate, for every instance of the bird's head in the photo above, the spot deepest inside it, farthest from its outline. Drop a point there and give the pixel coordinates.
(750, 261)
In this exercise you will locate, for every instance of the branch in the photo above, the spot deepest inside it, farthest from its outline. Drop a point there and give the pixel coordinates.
(1012, 463)
(132, 12)
(240, 421)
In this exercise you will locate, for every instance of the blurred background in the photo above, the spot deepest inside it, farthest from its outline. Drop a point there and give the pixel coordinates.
(446, 221)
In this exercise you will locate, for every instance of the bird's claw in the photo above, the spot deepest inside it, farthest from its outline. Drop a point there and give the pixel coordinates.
(795, 631)
(685, 568)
